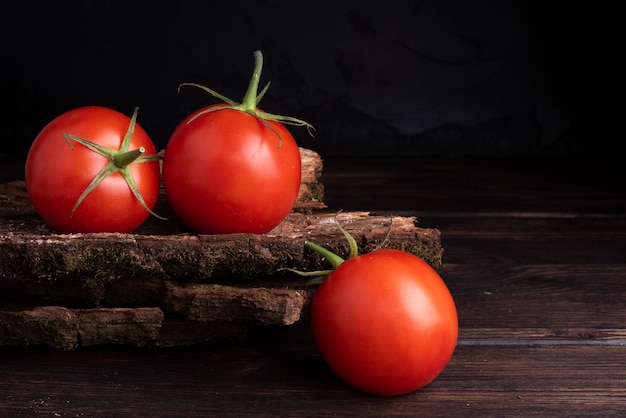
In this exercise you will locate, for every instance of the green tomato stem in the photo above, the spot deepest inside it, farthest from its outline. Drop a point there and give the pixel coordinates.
(250, 100)
(124, 159)
(334, 260)
(331, 257)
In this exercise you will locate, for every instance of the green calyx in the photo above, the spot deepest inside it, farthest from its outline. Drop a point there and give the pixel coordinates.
(334, 260)
(250, 102)
(119, 162)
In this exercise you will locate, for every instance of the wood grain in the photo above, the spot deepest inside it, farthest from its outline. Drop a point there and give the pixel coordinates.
(536, 261)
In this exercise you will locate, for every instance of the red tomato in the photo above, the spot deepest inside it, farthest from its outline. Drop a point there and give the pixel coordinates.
(231, 167)
(225, 172)
(385, 322)
(59, 171)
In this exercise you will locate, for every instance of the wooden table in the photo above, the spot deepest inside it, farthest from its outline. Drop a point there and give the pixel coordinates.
(535, 257)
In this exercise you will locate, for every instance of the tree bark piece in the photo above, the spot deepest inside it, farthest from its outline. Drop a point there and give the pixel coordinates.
(311, 194)
(65, 328)
(181, 314)
(164, 285)
(82, 266)
(213, 302)
(134, 326)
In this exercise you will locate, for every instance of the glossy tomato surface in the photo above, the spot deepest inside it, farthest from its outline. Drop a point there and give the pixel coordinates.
(228, 172)
(57, 174)
(385, 322)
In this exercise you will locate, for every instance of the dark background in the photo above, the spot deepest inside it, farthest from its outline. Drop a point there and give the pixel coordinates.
(399, 78)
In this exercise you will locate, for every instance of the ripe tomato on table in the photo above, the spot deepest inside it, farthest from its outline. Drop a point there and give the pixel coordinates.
(231, 168)
(385, 322)
(93, 169)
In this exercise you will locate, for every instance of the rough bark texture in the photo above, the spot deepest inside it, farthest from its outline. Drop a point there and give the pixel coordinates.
(65, 328)
(164, 285)
(311, 195)
(81, 267)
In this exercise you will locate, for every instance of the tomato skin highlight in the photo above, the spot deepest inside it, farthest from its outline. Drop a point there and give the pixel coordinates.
(227, 172)
(57, 174)
(385, 322)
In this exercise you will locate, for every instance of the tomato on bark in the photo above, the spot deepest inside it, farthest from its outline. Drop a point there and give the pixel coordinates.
(233, 168)
(93, 169)
(385, 322)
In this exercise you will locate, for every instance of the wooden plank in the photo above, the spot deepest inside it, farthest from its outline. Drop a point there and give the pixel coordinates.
(556, 302)
(529, 228)
(286, 376)
(474, 186)
(537, 280)
(539, 381)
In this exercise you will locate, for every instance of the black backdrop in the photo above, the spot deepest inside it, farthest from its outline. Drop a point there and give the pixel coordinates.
(425, 78)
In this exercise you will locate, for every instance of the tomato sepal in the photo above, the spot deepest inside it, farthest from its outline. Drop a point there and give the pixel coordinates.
(119, 161)
(250, 102)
